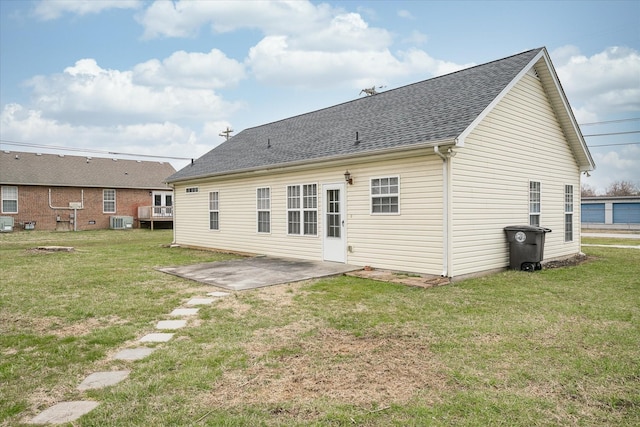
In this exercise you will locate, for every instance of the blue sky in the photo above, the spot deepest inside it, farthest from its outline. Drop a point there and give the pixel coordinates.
(165, 78)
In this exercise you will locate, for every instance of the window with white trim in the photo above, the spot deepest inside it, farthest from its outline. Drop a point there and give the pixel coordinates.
(109, 201)
(263, 208)
(214, 211)
(9, 199)
(385, 195)
(568, 213)
(191, 190)
(534, 203)
(302, 209)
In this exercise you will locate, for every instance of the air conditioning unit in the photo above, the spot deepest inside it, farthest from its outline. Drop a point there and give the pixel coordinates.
(6, 224)
(121, 222)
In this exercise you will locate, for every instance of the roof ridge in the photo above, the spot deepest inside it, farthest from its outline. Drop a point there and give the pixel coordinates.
(436, 109)
(62, 155)
(390, 90)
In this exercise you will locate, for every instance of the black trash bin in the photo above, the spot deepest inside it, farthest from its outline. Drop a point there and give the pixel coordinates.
(526, 246)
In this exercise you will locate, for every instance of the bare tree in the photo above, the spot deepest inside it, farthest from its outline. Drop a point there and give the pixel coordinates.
(623, 188)
(587, 191)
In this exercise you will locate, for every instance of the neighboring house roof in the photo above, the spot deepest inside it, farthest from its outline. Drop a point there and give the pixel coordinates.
(18, 168)
(441, 110)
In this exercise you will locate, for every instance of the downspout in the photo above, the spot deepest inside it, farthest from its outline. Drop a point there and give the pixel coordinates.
(173, 189)
(446, 210)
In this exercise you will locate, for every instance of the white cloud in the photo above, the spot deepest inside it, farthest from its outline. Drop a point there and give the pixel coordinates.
(53, 9)
(613, 160)
(419, 61)
(416, 38)
(193, 70)
(302, 44)
(344, 32)
(601, 84)
(87, 93)
(184, 18)
(403, 13)
(160, 138)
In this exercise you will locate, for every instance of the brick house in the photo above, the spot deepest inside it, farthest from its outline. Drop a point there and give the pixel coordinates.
(60, 192)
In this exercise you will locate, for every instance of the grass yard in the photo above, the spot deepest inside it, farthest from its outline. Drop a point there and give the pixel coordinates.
(555, 347)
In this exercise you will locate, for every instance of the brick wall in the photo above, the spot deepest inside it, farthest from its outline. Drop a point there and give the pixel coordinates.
(33, 205)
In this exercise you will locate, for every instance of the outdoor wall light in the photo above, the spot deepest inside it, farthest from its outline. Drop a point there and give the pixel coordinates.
(347, 177)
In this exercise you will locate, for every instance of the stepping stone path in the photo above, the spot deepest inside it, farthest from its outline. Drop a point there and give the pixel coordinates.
(200, 301)
(64, 412)
(134, 353)
(184, 312)
(67, 412)
(102, 379)
(171, 324)
(159, 337)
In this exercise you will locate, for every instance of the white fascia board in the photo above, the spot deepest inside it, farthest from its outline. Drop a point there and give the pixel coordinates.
(573, 124)
(313, 163)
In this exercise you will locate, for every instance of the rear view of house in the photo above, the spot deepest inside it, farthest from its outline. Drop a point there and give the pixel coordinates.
(60, 192)
(422, 178)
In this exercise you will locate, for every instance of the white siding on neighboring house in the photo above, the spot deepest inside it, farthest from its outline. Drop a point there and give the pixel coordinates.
(410, 240)
(519, 141)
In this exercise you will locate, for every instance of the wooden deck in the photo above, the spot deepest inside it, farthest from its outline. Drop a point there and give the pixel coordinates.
(153, 214)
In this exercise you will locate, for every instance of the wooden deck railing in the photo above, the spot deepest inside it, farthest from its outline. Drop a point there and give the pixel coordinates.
(155, 212)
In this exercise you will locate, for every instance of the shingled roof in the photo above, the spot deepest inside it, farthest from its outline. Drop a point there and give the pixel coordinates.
(435, 110)
(18, 168)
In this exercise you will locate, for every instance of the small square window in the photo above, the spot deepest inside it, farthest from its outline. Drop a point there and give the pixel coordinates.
(385, 195)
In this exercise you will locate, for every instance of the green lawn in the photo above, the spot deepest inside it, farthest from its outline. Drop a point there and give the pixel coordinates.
(555, 347)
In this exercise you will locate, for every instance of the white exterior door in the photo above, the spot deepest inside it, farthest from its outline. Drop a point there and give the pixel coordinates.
(162, 203)
(334, 230)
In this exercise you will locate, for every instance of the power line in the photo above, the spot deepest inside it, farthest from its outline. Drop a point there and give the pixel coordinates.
(611, 145)
(613, 133)
(635, 119)
(87, 150)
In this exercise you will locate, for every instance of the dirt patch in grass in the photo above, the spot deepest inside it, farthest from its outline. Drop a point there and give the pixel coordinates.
(301, 363)
(410, 279)
(52, 325)
(568, 262)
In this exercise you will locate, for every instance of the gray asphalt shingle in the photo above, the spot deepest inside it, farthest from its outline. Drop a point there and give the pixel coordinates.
(437, 109)
(19, 168)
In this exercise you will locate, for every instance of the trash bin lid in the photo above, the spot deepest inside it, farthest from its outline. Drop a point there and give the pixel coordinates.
(530, 228)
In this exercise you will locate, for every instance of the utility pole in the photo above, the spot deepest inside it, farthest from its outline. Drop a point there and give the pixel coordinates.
(226, 133)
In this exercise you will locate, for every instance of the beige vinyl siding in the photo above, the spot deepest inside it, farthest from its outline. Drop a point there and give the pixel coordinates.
(410, 241)
(519, 141)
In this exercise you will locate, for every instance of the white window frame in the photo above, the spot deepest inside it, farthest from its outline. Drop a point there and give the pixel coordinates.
(191, 190)
(535, 203)
(568, 213)
(9, 198)
(302, 204)
(106, 200)
(214, 210)
(383, 191)
(263, 206)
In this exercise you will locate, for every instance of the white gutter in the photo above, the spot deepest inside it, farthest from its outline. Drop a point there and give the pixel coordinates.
(313, 163)
(447, 255)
